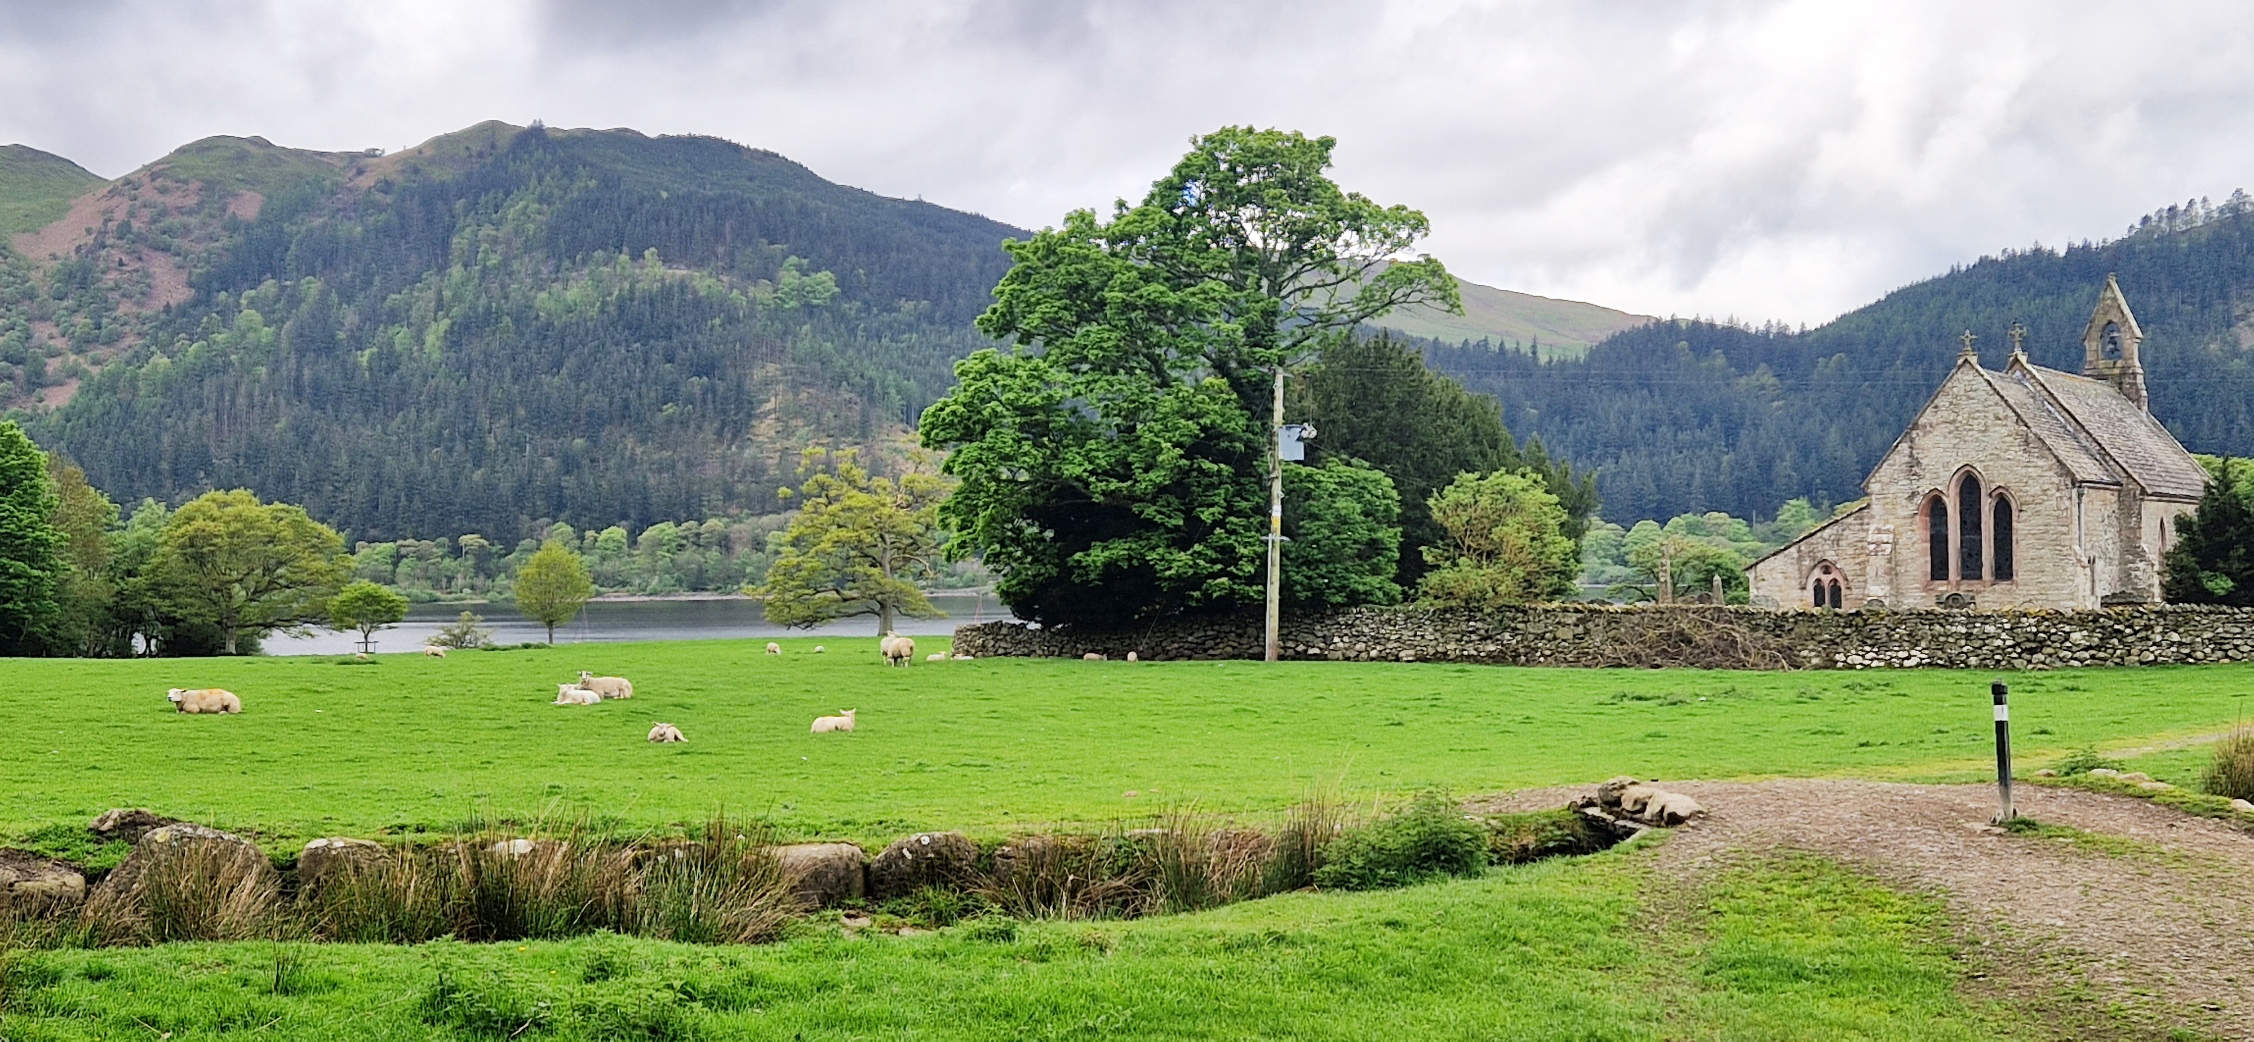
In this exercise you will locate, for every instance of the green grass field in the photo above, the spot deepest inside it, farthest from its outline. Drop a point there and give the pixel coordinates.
(409, 744)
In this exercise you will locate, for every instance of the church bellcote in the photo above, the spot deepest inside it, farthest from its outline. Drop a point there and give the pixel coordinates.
(2109, 345)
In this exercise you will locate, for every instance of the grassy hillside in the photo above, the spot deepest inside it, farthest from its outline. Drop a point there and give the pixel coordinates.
(410, 744)
(36, 188)
(1556, 328)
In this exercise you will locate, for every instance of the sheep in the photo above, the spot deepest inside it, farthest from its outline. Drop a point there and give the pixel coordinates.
(204, 700)
(960, 657)
(663, 733)
(434, 651)
(817, 649)
(608, 687)
(834, 723)
(1093, 656)
(774, 648)
(936, 656)
(574, 695)
(1132, 657)
(898, 650)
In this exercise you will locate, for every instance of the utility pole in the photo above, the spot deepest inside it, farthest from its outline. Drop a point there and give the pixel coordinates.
(1276, 517)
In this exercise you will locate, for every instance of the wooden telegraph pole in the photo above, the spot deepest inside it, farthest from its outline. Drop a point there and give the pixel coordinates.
(1276, 517)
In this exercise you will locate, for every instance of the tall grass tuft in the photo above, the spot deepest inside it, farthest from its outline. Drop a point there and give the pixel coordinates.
(2231, 772)
(1071, 877)
(1203, 864)
(188, 891)
(722, 887)
(1301, 839)
(407, 896)
(511, 888)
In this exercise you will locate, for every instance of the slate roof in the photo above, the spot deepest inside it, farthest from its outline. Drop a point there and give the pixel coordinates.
(2129, 436)
(2047, 421)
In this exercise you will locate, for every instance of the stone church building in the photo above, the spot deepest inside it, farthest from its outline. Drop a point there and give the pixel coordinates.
(2024, 488)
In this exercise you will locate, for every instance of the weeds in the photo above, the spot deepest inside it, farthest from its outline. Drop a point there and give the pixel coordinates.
(2083, 761)
(722, 888)
(1427, 840)
(2231, 773)
(191, 889)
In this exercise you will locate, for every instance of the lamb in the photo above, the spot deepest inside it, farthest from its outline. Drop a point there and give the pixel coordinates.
(1132, 657)
(1093, 656)
(663, 733)
(959, 657)
(817, 649)
(608, 687)
(574, 695)
(774, 648)
(898, 650)
(434, 651)
(204, 700)
(834, 723)
(936, 656)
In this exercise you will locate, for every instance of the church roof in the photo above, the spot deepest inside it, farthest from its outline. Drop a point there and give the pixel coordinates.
(2118, 428)
(2047, 421)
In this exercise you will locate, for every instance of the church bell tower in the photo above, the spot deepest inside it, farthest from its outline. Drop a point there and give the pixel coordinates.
(2109, 345)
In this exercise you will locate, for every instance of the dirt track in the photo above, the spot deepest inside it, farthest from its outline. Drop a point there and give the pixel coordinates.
(2169, 917)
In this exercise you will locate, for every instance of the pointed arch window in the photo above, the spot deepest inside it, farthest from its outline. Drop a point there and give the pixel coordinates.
(1837, 602)
(1968, 528)
(1999, 533)
(1825, 590)
(1937, 537)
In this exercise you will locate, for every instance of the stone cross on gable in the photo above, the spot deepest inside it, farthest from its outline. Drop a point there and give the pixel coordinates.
(1968, 338)
(2018, 336)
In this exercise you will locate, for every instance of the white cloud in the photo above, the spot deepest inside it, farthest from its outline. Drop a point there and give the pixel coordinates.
(1781, 159)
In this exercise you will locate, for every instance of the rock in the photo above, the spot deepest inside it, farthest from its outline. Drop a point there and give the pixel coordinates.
(1608, 792)
(2046, 773)
(2155, 786)
(924, 859)
(128, 824)
(824, 874)
(193, 861)
(2104, 772)
(323, 859)
(2134, 777)
(2242, 806)
(1670, 809)
(34, 885)
(1634, 798)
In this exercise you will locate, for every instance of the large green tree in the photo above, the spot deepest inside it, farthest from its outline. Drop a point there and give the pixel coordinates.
(86, 590)
(2212, 561)
(1113, 457)
(1374, 399)
(31, 559)
(553, 585)
(1341, 523)
(248, 567)
(862, 544)
(366, 607)
(1506, 543)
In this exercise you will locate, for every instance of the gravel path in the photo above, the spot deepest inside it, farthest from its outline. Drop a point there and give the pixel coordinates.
(2168, 916)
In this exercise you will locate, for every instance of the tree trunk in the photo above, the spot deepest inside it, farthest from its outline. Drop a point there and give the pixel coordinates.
(551, 634)
(884, 618)
(227, 623)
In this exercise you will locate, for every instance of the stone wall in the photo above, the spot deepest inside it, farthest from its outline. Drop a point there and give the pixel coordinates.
(1647, 635)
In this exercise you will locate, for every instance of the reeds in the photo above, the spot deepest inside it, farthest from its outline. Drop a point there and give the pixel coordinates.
(2231, 772)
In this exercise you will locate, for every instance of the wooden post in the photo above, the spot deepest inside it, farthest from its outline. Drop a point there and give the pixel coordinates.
(1276, 520)
(2002, 694)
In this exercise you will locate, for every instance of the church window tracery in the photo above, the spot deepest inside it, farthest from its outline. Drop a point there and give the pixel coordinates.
(1968, 529)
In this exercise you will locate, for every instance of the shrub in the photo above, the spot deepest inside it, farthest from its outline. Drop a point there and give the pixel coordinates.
(1430, 838)
(2231, 773)
(1514, 839)
(2083, 761)
(493, 1006)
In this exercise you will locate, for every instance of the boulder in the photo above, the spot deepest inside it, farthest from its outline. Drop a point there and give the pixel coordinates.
(1669, 809)
(2242, 806)
(219, 886)
(2155, 786)
(128, 824)
(2104, 772)
(824, 874)
(34, 885)
(941, 859)
(1634, 798)
(1608, 792)
(323, 859)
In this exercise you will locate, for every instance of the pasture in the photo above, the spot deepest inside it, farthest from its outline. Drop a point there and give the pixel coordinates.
(408, 744)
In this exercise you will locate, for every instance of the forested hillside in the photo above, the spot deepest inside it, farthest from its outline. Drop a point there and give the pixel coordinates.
(501, 327)
(1683, 417)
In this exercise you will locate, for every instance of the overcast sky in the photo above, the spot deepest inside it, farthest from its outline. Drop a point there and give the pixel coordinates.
(1763, 159)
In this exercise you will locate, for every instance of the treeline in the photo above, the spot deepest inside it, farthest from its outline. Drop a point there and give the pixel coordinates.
(1693, 416)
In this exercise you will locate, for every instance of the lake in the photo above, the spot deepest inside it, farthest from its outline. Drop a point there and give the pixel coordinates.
(609, 621)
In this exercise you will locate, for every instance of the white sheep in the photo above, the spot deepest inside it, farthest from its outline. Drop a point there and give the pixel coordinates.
(608, 687)
(1093, 656)
(574, 695)
(1132, 657)
(936, 656)
(898, 650)
(824, 724)
(959, 657)
(204, 700)
(434, 651)
(817, 649)
(774, 648)
(663, 733)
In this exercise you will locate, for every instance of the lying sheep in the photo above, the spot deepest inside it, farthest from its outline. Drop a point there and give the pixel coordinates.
(663, 733)
(1132, 657)
(834, 723)
(574, 695)
(936, 656)
(1092, 656)
(204, 700)
(434, 651)
(774, 648)
(817, 649)
(962, 658)
(898, 650)
(608, 687)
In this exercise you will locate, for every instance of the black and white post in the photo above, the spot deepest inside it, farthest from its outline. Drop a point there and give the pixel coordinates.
(2002, 693)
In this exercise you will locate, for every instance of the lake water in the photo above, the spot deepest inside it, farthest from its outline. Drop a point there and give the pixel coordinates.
(609, 621)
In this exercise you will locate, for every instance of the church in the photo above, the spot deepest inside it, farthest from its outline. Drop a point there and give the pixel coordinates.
(2020, 488)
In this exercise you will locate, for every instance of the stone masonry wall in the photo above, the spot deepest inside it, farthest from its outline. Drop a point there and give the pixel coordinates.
(1608, 635)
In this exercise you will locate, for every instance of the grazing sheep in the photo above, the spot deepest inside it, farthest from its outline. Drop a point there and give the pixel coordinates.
(817, 649)
(835, 723)
(936, 656)
(434, 651)
(898, 650)
(608, 687)
(204, 700)
(774, 648)
(1132, 657)
(1093, 656)
(574, 695)
(663, 733)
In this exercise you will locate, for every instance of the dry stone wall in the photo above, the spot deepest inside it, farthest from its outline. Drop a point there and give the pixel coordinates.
(1644, 635)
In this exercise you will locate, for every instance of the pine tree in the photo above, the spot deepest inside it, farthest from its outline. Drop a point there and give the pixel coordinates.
(2213, 559)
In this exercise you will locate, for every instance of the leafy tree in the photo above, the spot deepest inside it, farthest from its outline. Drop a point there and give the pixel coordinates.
(31, 559)
(1374, 399)
(553, 586)
(2212, 561)
(85, 589)
(1340, 519)
(1112, 459)
(860, 545)
(1506, 543)
(248, 567)
(465, 632)
(1674, 566)
(366, 607)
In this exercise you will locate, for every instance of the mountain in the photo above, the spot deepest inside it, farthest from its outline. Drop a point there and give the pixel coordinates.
(1680, 417)
(36, 188)
(1555, 328)
(502, 327)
